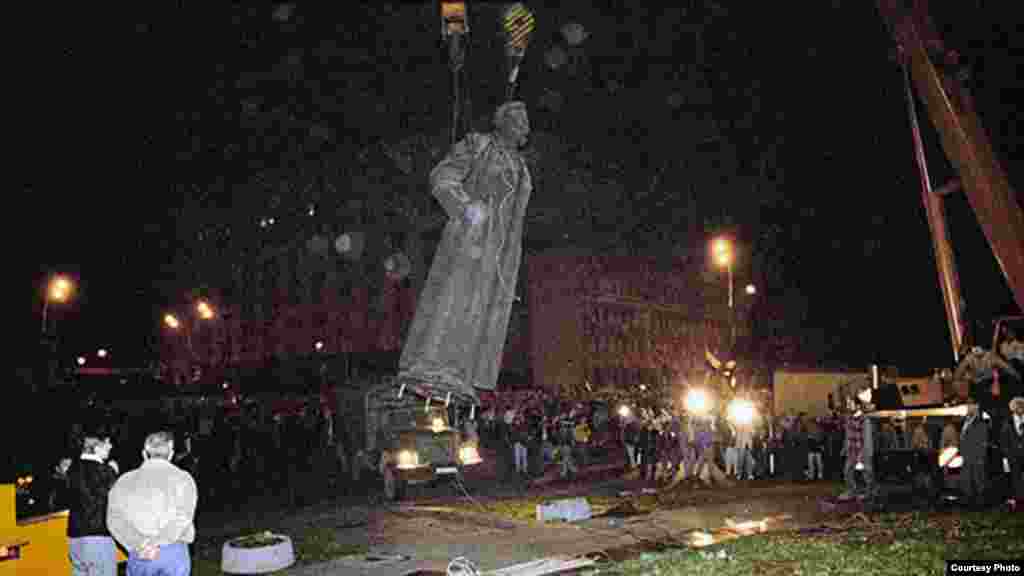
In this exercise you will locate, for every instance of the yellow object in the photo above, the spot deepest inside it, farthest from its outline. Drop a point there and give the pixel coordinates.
(582, 433)
(43, 540)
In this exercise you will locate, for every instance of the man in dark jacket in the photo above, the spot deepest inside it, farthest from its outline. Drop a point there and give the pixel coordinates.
(648, 450)
(92, 549)
(973, 448)
(1012, 444)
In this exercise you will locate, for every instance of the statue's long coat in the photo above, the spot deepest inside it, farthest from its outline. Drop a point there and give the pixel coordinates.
(456, 339)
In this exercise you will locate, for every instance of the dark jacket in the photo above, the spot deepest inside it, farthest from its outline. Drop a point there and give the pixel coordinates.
(1012, 443)
(90, 482)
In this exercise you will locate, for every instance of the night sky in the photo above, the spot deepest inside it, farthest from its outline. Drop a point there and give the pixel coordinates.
(147, 105)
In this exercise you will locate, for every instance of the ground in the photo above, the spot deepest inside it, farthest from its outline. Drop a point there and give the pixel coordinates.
(493, 526)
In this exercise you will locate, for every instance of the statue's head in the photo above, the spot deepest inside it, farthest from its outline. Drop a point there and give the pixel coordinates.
(512, 123)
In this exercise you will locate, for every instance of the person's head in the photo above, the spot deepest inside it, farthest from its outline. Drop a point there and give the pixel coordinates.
(512, 124)
(97, 446)
(1017, 405)
(159, 445)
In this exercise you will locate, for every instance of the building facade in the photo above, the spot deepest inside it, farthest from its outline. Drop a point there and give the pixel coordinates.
(606, 322)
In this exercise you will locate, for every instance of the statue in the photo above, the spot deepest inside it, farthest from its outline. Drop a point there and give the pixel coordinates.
(454, 345)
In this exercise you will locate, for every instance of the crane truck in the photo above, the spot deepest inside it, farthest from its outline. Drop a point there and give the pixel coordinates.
(931, 71)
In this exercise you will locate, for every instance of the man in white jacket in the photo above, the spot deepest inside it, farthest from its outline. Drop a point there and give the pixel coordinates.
(150, 511)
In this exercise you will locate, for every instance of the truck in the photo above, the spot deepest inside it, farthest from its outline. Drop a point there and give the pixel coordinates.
(401, 437)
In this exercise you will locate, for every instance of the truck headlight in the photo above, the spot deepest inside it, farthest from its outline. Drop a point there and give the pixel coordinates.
(408, 459)
(742, 412)
(468, 454)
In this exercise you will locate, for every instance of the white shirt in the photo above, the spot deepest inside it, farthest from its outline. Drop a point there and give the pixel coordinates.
(153, 504)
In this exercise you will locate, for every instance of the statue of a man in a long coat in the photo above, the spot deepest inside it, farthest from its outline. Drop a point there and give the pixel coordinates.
(456, 339)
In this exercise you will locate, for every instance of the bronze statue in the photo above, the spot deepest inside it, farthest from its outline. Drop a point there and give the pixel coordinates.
(455, 342)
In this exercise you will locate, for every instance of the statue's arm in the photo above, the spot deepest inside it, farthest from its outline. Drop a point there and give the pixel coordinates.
(448, 177)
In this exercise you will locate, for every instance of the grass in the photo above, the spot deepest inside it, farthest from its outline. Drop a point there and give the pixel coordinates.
(887, 545)
(312, 544)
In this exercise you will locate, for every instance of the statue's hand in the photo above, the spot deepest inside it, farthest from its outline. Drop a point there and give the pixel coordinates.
(476, 213)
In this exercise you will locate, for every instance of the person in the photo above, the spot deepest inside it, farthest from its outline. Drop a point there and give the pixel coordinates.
(566, 448)
(1012, 348)
(581, 434)
(1013, 451)
(973, 447)
(919, 440)
(150, 512)
(58, 492)
(815, 452)
(630, 437)
(744, 442)
(859, 444)
(644, 447)
(455, 341)
(519, 433)
(92, 550)
(799, 455)
(732, 450)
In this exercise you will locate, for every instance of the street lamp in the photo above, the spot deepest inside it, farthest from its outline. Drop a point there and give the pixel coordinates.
(722, 250)
(171, 321)
(59, 289)
(102, 353)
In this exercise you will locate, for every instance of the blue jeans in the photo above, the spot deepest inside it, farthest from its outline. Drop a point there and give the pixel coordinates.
(173, 560)
(93, 556)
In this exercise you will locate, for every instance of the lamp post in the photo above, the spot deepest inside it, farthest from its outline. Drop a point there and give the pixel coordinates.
(58, 289)
(722, 251)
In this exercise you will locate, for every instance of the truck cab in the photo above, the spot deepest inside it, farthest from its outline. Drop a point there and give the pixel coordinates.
(404, 438)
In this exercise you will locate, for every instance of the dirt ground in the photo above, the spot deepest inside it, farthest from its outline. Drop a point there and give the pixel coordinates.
(436, 526)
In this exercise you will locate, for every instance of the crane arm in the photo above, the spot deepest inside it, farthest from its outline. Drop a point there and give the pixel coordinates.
(964, 142)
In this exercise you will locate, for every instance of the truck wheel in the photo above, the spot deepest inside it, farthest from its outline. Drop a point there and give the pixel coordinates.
(394, 487)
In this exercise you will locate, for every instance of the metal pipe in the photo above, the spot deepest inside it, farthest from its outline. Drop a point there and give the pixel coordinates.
(935, 212)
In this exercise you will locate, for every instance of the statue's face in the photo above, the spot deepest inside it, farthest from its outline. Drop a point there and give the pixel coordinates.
(516, 128)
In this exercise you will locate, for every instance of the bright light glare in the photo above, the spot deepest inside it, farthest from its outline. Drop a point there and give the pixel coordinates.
(204, 309)
(722, 250)
(741, 411)
(948, 455)
(697, 401)
(438, 425)
(102, 353)
(319, 345)
(408, 459)
(171, 321)
(624, 411)
(80, 360)
(468, 454)
(751, 289)
(60, 288)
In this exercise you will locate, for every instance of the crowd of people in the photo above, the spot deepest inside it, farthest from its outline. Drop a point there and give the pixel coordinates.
(536, 429)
